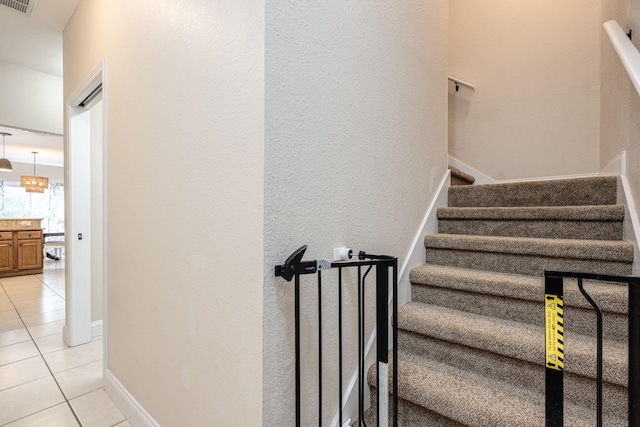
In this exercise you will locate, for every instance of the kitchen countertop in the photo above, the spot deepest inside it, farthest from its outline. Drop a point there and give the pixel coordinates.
(17, 224)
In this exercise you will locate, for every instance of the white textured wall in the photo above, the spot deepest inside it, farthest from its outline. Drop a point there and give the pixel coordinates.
(535, 65)
(355, 146)
(30, 99)
(185, 94)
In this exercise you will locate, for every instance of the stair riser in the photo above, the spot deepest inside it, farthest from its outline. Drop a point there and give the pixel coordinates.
(578, 389)
(593, 191)
(521, 264)
(585, 230)
(580, 320)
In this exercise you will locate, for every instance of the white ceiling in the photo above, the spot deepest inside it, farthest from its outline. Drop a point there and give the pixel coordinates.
(20, 144)
(35, 42)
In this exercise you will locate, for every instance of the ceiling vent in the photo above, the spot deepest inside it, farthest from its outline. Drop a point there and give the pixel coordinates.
(24, 6)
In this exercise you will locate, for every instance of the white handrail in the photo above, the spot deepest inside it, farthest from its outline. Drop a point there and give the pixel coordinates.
(459, 83)
(627, 52)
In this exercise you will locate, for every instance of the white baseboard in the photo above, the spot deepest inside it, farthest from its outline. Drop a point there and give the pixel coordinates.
(631, 225)
(126, 403)
(617, 166)
(547, 178)
(479, 176)
(417, 253)
(96, 329)
(415, 256)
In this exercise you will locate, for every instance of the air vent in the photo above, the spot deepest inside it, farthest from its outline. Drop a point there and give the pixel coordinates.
(24, 6)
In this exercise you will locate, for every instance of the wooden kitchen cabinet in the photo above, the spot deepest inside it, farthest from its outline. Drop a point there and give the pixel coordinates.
(6, 251)
(21, 252)
(29, 254)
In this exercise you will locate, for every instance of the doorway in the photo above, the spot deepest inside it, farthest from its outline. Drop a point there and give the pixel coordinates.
(85, 194)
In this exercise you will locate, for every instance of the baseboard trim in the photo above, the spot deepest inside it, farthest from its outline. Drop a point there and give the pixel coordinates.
(479, 176)
(96, 329)
(415, 256)
(631, 224)
(126, 403)
(547, 178)
(617, 166)
(417, 253)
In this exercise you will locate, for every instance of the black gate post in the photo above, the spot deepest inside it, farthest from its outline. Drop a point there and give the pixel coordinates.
(554, 354)
(634, 355)
(382, 339)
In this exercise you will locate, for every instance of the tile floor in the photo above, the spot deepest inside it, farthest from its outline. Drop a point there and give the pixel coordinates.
(42, 381)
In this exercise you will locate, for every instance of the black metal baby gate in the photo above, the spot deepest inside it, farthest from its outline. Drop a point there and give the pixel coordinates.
(555, 351)
(293, 268)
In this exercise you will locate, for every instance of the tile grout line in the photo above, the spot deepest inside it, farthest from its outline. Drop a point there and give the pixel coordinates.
(44, 360)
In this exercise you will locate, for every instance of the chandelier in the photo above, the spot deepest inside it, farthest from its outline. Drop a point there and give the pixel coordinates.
(34, 184)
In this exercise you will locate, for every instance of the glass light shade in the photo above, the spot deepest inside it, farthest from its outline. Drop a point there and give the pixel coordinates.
(34, 184)
(5, 165)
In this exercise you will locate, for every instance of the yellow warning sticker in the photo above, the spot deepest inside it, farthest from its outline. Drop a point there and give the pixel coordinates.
(554, 326)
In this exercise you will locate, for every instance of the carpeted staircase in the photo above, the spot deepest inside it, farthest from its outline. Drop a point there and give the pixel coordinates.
(471, 342)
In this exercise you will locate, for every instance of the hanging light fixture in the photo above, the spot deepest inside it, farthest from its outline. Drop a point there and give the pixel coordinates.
(34, 184)
(5, 164)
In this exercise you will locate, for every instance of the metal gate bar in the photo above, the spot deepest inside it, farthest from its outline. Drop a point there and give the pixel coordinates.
(554, 402)
(292, 269)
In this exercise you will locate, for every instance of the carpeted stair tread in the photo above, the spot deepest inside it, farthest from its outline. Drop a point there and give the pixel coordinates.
(610, 297)
(531, 256)
(475, 400)
(578, 389)
(460, 178)
(619, 251)
(570, 222)
(512, 339)
(562, 192)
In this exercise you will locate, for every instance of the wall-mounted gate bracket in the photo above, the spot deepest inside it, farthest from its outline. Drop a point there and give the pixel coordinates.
(294, 265)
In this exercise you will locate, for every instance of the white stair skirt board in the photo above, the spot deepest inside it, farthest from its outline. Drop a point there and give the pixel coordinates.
(126, 403)
(479, 176)
(415, 256)
(617, 166)
(631, 224)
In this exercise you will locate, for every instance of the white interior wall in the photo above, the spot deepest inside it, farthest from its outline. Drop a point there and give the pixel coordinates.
(185, 89)
(30, 99)
(355, 150)
(535, 65)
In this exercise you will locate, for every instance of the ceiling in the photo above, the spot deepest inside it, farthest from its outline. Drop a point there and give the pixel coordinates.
(35, 43)
(21, 143)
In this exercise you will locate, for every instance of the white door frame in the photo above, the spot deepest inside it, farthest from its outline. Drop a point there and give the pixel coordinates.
(78, 327)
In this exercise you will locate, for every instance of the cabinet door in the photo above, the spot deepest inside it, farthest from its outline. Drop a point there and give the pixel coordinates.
(29, 254)
(6, 255)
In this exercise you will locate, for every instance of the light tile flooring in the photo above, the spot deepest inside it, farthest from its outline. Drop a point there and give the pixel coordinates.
(42, 381)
